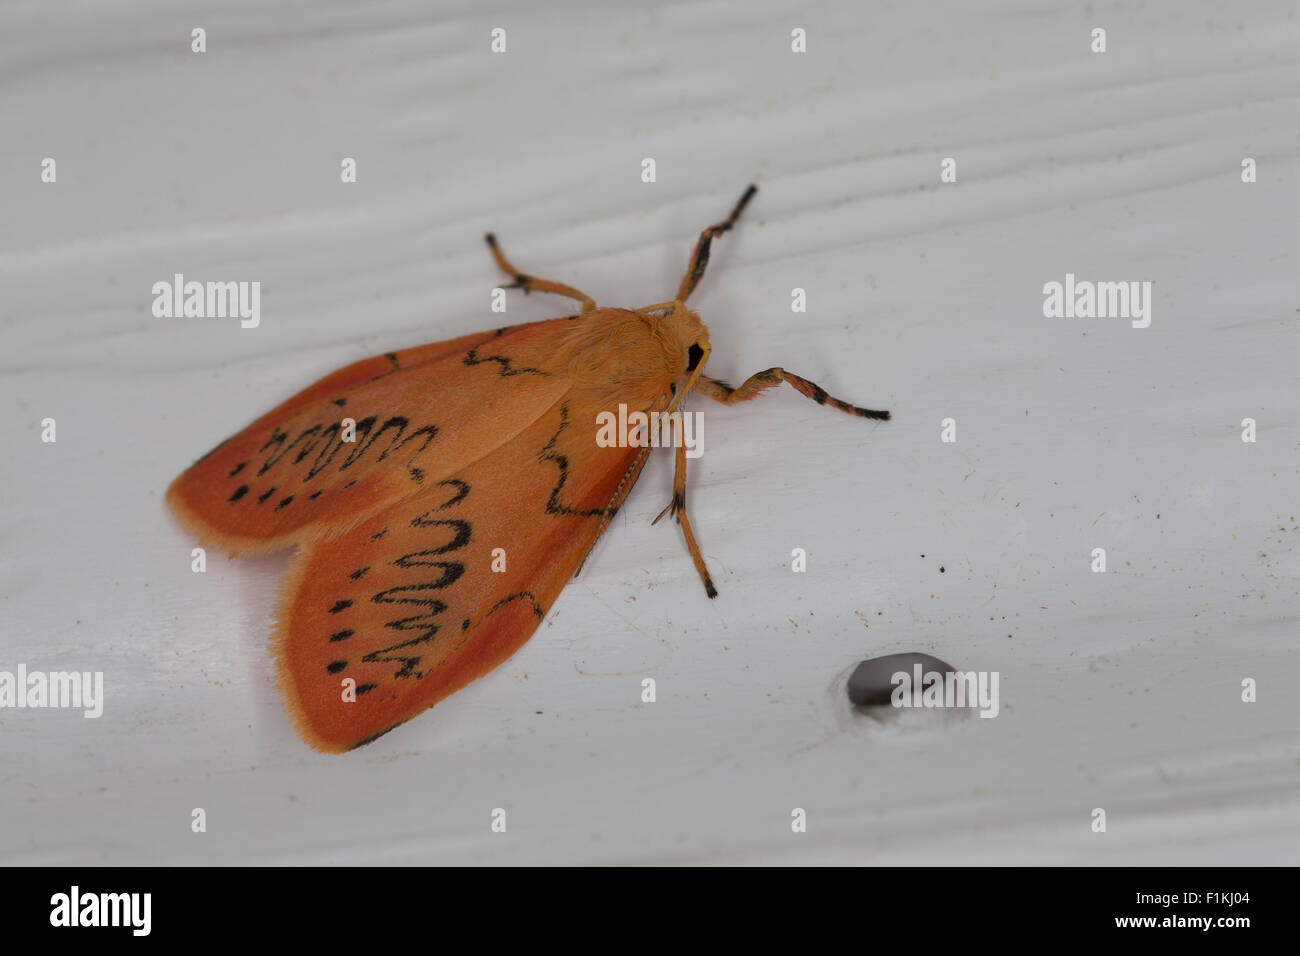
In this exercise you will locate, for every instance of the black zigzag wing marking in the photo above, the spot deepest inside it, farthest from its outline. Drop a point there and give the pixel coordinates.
(463, 535)
(519, 596)
(507, 365)
(462, 492)
(327, 442)
(554, 506)
(424, 624)
(408, 654)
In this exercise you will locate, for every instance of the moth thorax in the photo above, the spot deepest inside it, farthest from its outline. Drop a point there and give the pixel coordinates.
(625, 353)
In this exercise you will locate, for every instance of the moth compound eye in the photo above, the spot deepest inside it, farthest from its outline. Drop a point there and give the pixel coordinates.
(693, 356)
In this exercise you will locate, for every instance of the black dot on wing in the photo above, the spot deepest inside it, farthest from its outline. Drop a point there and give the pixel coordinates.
(335, 666)
(284, 503)
(237, 469)
(313, 496)
(359, 573)
(239, 493)
(261, 499)
(342, 635)
(340, 606)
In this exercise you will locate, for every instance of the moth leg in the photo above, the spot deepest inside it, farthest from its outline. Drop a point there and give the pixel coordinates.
(700, 257)
(678, 510)
(530, 284)
(769, 378)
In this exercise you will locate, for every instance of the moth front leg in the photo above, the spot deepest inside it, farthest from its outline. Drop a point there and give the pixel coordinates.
(677, 508)
(770, 378)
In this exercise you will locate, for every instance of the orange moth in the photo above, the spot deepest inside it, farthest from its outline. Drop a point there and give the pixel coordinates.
(439, 498)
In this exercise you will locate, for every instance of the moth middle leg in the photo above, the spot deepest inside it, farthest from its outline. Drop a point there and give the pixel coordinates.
(677, 508)
(531, 283)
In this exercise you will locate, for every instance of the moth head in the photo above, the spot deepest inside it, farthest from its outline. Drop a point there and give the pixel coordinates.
(691, 335)
(683, 338)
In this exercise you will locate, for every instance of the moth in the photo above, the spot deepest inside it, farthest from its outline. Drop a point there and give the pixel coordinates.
(440, 497)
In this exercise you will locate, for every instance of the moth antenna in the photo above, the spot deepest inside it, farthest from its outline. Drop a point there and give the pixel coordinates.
(700, 257)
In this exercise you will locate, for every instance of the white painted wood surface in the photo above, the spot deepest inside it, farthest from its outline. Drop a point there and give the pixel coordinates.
(1120, 691)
